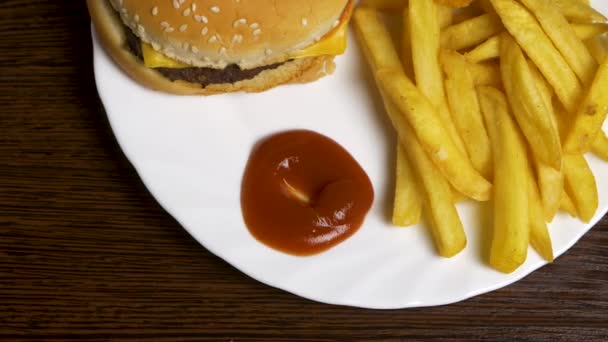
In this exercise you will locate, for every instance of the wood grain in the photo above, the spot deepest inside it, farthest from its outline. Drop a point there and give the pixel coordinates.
(87, 254)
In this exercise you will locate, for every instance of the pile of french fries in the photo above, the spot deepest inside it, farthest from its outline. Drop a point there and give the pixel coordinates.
(496, 100)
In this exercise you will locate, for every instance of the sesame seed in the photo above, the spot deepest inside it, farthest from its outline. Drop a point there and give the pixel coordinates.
(237, 38)
(204, 19)
(186, 12)
(222, 50)
(193, 7)
(169, 29)
(212, 39)
(181, 2)
(336, 23)
(164, 24)
(204, 31)
(304, 21)
(136, 18)
(155, 46)
(257, 32)
(176, 4)
(254, 25)
(183, 28)
(141, 29)
(155, 11)
(215, 9)
(238, 22)
(268, 52)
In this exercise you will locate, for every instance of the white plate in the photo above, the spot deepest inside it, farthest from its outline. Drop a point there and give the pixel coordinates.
(191, 151)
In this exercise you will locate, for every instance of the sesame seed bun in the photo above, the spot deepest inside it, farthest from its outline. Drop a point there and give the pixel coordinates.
(214, 33)
(111, 32)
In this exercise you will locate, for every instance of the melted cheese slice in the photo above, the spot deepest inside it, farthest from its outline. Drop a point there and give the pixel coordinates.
(333, 44)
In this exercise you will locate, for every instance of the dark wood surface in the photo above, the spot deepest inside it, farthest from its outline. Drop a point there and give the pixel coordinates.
(87, 254)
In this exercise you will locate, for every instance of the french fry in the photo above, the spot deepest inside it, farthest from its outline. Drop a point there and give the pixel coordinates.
(529, 107)
(470, 32)
(415, 108)
(462, 98)
(407, 205)
(424, 35)
(445, 225)
(551, 186)
(511, 189)
(600, 146)
(425, 121)
(487, 50)
(597, 48)
(527, 31)
(588, 31)
(567, 205)
(539, 234)
(590, 116)
(490, 49)
(536, 121)
(550, 180)
(486, 74)
(385, 5)
(564, 38)
(581, 186)
(578, 12)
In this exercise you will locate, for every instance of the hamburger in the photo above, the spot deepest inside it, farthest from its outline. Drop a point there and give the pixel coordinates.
(208, 47)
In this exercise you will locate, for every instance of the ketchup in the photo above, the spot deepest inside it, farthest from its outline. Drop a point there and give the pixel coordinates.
(302, 193)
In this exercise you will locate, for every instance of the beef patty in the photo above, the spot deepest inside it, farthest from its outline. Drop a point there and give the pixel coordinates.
(203, 76)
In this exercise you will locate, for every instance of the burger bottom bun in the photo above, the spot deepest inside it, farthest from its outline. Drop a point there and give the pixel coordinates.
(110, 30)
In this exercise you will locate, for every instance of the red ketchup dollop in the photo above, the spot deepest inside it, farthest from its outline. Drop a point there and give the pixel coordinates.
(302, 193)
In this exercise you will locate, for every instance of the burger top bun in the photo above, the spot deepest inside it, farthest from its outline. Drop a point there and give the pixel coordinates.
(215, 33)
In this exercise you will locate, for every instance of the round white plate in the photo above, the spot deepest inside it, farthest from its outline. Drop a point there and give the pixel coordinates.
(190, 152)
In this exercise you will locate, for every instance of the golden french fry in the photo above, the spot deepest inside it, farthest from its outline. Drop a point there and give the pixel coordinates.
(529, 34)
(588, 31)
(407, 205)
(486, 74)
(564, 38)
(597, 48)
(445, 225)
(567, 205)
(590, 116)
(420, 113)
(539, 234)
(375, 40)
(581, 186)
(424, 35)
(511, 189)
(536, 121)
(425, 121)
(487, 50)
(462, 98)
(529, 107)
(385, 5)
(551, 185)
(470, 32)
(600, 146)
(577, 11)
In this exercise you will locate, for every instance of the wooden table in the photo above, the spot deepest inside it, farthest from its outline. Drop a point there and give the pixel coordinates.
(86, 253)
